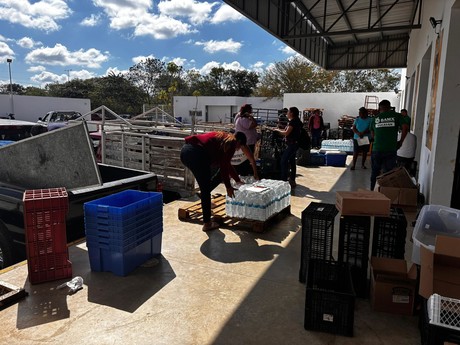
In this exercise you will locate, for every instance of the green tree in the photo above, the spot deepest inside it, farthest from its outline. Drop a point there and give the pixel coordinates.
(373, 80)
(18, 89)
(147, 75)
(35, 91)
(294, 75)
(75, 88)
(223, 82)
(241, 83)
(117, 93)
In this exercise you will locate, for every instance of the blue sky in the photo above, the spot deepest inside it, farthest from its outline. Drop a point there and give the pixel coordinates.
(52, 40)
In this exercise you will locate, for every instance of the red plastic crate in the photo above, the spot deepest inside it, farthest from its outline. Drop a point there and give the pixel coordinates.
(46, 241)
(49, 267)
(46, 199)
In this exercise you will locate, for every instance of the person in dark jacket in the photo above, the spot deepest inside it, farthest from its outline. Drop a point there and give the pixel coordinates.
(291, 134)
(209, 156)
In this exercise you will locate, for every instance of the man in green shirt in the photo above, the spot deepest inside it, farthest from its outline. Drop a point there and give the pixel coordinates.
(384, 130)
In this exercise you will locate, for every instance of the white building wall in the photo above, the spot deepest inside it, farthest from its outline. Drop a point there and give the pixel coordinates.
(436, 163)
(219, 108)
(30, 108)
(337, 104)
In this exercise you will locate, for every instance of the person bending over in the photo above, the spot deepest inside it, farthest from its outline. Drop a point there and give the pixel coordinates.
(209, 156)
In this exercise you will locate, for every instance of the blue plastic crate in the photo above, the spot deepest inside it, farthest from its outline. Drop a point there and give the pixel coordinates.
(121, 264)
(123, 245)
(336, 159)
(121, 229)
(107, 231)
(123, 205)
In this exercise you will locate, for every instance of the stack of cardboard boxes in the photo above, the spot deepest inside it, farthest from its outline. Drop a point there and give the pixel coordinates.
(393, 286)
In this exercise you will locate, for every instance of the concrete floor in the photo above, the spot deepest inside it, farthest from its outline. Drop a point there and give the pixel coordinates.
(222, 287)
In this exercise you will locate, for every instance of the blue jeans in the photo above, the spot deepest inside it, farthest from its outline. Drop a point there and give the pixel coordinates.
(382, 162)
(316, 137)
(288, 163)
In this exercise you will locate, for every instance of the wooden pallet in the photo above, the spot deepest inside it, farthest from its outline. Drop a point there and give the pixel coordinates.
(194, 214)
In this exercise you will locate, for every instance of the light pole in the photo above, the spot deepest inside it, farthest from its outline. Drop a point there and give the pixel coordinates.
(11, 86)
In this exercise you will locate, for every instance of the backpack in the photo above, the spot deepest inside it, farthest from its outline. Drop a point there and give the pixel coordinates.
(304, 140)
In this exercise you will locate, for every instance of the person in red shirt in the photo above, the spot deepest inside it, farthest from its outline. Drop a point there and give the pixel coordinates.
(209, 156)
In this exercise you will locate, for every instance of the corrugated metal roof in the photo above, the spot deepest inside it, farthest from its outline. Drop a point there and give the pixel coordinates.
(340, 34)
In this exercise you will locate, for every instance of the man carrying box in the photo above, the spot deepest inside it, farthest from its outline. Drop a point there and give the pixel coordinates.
(384, 130)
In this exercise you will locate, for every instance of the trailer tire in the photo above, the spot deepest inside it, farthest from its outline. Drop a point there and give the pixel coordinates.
(6, 249)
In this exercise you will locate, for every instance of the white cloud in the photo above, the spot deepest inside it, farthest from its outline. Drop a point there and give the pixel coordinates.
(235, 65)
(208, 67)
(212, 46)
(287, 50)
(28, 43)
(162, 27)
(82, 74)
(5, 50)
(226, 14)
(179, 61)
(92, 20)
(48, 77)
(41, 15)
(137, 15)
(115, 70)
(140, 58)
(197, 12)
(59, 55)
(36, 69)
(258, 67)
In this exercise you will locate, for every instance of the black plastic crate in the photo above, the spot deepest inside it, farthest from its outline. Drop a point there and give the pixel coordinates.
(354, 238)
(389, 236)
(432, 334)
(317, 234)
(330, 298)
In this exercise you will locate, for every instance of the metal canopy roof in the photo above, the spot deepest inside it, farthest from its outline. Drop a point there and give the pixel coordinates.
(339, 34)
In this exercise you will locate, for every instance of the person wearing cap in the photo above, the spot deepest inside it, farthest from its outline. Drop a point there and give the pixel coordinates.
(361, 137)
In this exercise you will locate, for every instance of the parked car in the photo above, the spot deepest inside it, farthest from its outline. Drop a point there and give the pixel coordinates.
(14, 130)
(57, 119)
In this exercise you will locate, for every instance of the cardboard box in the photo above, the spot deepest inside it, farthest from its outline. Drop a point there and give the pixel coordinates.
(399, 196)
(362, 203)
(398, 177)
(440, 270)
(398, 186)
(393, 287)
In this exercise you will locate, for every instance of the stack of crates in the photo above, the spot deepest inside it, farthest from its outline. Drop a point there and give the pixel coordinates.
(389, 236)
(354, 238)
(45, 213)
(123, 230)
(317, 234)
(439, 320)
(330, 298)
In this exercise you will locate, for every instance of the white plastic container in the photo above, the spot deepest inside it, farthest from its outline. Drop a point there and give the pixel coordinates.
(434, 220)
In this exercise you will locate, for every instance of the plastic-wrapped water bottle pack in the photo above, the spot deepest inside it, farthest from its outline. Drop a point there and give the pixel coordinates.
(259, 200)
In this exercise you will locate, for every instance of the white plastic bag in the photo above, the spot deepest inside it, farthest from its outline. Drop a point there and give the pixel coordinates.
(238, 157)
